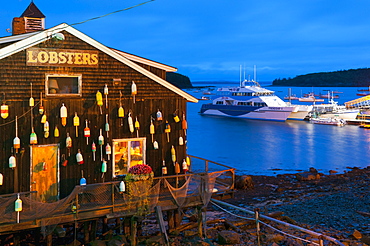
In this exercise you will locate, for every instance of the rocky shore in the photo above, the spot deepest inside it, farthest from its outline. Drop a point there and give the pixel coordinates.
(336, 205)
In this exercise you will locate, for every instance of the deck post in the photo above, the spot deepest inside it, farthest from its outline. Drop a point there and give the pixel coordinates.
(133, 230)
(200, 222)
(87, 232)
(49, 239)
(170, 219)
(126, 225)
(94, 225)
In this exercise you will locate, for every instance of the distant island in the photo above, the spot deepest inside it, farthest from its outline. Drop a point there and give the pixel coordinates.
(179, 80)
(344, 78)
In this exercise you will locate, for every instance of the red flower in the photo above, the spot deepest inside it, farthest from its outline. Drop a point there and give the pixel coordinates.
(140, 169)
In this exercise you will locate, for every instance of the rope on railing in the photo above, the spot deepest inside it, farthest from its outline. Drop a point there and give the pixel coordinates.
(318, 235)
(246, 218)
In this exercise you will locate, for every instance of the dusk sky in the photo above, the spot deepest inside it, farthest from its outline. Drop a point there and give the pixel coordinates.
(209, 40)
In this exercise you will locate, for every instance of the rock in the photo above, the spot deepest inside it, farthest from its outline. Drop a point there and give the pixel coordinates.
(244, 182)
(332, 172)
(313, 170)
(228, 237)
(356, 234)
(307, 176)
(276, 238)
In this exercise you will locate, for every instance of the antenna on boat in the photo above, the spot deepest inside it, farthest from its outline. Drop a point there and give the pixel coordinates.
(255, 74)
(240, 76)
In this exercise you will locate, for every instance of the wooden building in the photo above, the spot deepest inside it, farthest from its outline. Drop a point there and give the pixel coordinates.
(60, 67)
(75, 116)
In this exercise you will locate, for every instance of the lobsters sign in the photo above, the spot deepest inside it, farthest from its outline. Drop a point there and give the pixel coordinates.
(62, 57)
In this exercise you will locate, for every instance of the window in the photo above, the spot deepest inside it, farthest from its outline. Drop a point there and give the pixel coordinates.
(127, 153)
(63, 85)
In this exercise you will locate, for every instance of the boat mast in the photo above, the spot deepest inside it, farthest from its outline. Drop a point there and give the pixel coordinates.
(240, 76)
(255, 74)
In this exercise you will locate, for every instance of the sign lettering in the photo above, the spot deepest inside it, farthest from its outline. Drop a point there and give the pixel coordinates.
(62, 57)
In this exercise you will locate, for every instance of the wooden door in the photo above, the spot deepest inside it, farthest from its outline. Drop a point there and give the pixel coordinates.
(45, 172)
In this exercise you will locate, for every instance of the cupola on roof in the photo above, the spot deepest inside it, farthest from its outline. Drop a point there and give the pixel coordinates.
(32, 12)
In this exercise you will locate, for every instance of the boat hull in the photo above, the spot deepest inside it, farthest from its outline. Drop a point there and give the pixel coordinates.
(248, 112)
(348, 115)
(300, 112)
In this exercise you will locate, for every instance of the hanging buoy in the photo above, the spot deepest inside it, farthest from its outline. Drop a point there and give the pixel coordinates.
(79, 158)
(107, 125)
(164, 168)
(121, 111)
(137, 127)
(130, 123)
(43, 118)
(104, 166)
(101, 143)
(31, 101)
(133, 90)
(99, 100)
(64, 160)
(1, 179)
(122, 187)
(181, 141)
(46, 129)
(76, 123)
(18, 204)
(93, 149)
(41, 107)
(16, 143)
(63, 114)
(44, 166)
(68, 143)
(176, 117)
(16, 140)
(106, 95)
(155, 145)
(159, 115)
(177, 168)
(108, 151)
(12, 162)
(184, 124)
(87, 132)
(184, 166)
(173, 154)
(46, 126)
(56, 132)
(82, 180)
(188, 161)
(33, 137)
(167, 130)
(4, 111)
(152, 129)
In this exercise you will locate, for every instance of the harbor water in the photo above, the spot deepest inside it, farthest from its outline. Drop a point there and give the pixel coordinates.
(257, 147)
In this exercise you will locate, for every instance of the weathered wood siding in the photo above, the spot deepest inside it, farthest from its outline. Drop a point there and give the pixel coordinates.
(15, 80)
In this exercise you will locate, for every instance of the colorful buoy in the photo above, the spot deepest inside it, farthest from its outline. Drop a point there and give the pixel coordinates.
(63, 114)
(79, 158)
(76, 123)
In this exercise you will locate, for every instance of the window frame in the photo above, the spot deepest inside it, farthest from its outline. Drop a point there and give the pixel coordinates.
(79, 85)
(128, 140)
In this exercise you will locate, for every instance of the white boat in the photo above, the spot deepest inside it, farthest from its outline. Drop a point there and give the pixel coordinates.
(332, 109)
(300, 112)
(310, 98)
(250, 101)
(328, 121)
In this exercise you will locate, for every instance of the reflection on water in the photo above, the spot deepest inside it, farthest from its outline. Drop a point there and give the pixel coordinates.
(260, 147)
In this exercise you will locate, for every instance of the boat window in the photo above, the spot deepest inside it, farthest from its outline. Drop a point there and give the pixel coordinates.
(127, 153)
(219, 102)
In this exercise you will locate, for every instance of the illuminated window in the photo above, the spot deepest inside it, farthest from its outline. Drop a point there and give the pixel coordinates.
(127, 153)
(63, 85)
